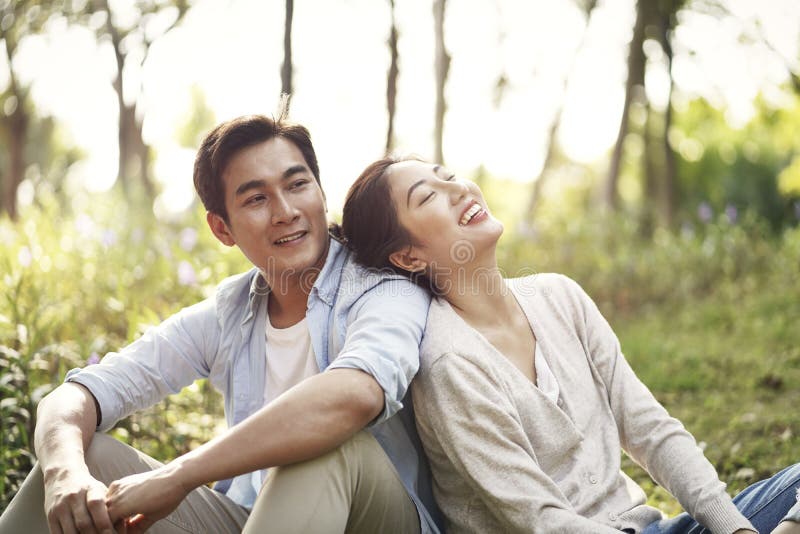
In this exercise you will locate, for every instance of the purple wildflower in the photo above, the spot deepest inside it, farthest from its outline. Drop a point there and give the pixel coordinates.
(732, 213)
(704, 212)
(108, 238)
(93, 359)
(186, 274)
(188, 239)
(24, 257)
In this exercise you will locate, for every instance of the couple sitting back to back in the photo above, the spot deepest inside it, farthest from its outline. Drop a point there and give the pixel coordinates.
(523, 399)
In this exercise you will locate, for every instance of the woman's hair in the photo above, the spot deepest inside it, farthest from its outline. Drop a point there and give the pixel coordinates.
(370, 224)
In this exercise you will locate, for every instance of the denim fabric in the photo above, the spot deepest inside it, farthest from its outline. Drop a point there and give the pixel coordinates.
(357, 319)
(765, 504)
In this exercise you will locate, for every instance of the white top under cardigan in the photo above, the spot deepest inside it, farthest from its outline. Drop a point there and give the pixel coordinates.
(505, 458)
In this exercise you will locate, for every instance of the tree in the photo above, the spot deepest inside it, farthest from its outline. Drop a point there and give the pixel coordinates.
(587, 7)
(131, 40)
(286, 68)
(634, 88)
(17, 20)
(391, 79)
(442, 68)
(655, 21)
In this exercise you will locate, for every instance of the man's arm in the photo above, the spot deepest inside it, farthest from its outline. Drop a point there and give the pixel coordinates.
(66, 422)
(308, 420)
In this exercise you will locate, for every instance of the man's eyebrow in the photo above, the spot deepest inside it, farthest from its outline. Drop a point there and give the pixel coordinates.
(294, 169)
(255, 184)
(251, 184)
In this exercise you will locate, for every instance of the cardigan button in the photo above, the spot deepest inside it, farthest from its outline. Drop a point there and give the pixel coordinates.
(593, 479)
(612, 516)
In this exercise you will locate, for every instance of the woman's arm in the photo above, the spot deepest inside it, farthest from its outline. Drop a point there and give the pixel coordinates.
(655, 440)
(466, 413)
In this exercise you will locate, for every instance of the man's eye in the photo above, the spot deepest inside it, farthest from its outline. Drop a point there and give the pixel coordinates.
(450, 178)
(254, 199)
(299, 183)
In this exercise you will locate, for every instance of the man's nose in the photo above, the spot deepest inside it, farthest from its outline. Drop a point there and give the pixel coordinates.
(283, 211)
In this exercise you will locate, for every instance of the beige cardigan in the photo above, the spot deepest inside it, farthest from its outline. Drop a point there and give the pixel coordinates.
(507, 459)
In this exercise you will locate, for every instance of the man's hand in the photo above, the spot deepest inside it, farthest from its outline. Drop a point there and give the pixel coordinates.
(142, 499)
(74, 501)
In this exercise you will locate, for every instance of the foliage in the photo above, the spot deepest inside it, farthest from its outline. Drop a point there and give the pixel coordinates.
(705, 316)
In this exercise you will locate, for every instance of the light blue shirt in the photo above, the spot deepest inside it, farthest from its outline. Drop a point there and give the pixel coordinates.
(357, 319)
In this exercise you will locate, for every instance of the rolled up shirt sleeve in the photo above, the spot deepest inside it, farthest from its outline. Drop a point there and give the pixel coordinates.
(164, 360)
(384, 330)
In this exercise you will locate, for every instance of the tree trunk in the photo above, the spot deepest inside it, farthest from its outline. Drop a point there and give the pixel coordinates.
(391, 81)
(636, 65)
(670, 186)
(555, 125)
(18, 130)
(442, 67)
(286, 68)
(650, 177)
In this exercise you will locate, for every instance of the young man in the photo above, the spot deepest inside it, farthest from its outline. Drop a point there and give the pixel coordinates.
(308, 349)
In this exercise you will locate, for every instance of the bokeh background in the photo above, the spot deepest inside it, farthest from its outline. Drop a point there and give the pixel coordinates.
(650, 149)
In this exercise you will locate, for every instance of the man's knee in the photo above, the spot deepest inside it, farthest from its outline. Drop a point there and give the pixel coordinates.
(109, 459)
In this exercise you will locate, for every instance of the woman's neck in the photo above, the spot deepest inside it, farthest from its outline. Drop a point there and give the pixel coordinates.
(480, 295)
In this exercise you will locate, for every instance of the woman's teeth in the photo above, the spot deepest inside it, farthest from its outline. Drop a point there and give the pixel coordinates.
(469, 214)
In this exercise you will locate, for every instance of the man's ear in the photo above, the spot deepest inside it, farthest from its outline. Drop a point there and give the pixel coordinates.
(408, 260)
(220, 228)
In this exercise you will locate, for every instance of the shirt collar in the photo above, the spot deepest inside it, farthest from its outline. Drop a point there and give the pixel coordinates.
(324, 286)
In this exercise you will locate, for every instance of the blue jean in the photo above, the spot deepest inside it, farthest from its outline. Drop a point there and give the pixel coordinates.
(765, 504)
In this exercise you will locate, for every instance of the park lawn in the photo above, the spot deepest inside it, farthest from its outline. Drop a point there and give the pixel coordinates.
(728, 367)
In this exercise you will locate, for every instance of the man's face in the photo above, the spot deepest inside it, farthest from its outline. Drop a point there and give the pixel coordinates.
(276, 211)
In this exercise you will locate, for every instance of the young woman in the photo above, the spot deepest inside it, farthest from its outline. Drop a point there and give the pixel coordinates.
(524, 400)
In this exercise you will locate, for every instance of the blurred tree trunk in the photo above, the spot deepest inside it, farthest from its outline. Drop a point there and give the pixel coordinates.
(634, 86)
(17, 20)
(133, 174)
(286, 68)
(17, 122)
(391, 81)
(555, 125)
(669, 195)
(442, 67)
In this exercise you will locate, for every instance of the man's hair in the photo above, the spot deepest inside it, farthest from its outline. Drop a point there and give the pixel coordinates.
(229, 138)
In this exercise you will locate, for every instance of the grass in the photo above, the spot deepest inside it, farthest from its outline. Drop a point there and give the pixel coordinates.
(727, 366)
(708, 317)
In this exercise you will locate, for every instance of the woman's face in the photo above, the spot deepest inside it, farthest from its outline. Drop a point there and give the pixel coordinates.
(447, 218)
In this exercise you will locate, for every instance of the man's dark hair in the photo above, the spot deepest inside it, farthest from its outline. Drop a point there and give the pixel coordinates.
(227, 139)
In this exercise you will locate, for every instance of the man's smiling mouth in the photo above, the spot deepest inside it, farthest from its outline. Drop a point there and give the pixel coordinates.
(291, 237)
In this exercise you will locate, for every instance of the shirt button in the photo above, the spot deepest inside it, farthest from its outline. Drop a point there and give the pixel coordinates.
(612, 516)
(593, 479)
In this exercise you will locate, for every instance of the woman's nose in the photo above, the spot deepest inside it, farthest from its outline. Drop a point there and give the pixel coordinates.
(458, 190)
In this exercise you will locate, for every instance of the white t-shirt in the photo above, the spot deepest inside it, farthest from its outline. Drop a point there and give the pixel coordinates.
(290, 360)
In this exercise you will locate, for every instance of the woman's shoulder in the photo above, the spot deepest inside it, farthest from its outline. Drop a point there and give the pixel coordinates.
(548, 285)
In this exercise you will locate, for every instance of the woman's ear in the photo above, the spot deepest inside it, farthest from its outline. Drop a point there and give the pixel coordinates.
(220, 229)
(407, 260)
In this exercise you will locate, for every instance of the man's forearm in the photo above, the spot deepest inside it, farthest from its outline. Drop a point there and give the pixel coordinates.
(66, 421)
(310, 419)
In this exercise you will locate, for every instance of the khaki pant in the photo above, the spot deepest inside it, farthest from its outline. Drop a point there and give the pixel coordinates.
(352, 489)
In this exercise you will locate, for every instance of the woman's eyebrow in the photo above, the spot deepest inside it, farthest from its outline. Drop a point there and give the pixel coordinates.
(411, 190)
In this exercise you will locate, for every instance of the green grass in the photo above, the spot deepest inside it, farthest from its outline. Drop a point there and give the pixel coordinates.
(709, 318)
(728, 367)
